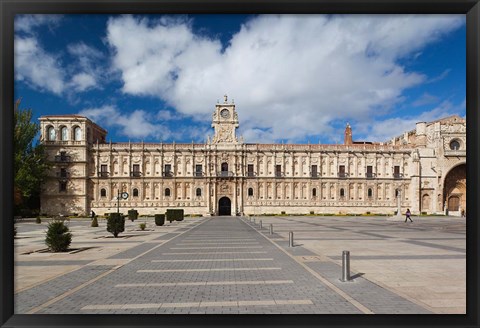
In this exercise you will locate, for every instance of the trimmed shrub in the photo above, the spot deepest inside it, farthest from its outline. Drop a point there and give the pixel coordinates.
(132, 215)
(174, 215)
(159, 219)
(58, 236)
(282, 212)
(142, 226)
(312, 212)
(38, 220)
(94, 222)
(116, 223)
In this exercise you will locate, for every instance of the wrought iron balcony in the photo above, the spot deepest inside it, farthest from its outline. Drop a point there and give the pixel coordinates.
(225, 174)
(135, 174)
(250, 174)
(198, 174)
(63, 159)
(342, 175)
(315, 175)
(279, 174)
(398, 175)
(103, 174)
(168, 174)
(370, 175)
(63, 175)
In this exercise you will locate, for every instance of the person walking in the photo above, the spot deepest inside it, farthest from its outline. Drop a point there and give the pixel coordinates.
(93, 215)
(408, 215)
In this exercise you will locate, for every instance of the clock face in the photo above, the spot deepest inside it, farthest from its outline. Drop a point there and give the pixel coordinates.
(225, 113)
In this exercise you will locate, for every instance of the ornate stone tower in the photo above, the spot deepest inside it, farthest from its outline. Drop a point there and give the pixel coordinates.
(225, 122)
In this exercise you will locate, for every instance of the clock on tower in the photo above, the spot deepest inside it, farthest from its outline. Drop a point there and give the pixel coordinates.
(225, 122)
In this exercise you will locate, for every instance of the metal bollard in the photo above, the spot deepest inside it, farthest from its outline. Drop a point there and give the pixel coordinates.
(260, 224)
(271, 229)
(345, 266)
(290, 239)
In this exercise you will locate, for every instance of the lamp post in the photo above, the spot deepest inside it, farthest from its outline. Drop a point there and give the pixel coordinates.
(121, 195)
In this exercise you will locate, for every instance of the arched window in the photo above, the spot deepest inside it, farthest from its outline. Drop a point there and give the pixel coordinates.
(77, 133)
(64, 133)
(250, 191)
(342, 192)
(167, 192)
(314, 192)
(52, 136)
(369, 192)
(103, 192)
(198, 192)
(135, 192)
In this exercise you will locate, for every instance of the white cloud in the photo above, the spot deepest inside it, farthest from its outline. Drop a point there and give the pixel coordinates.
(89, 63)
(135, 124)
(28, 23)
(36, 67)
(46, 71)
(290, 75)
(83, 81)
(387, 129)
(425, 99)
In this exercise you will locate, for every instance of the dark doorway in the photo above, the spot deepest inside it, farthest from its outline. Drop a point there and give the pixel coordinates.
(224, 206)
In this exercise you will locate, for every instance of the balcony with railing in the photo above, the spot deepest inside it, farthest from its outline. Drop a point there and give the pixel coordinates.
(63, 175)
(168, 174)
(103, 174)
(370, 175)
(251, 174)
(315, 175)
(135, 174)
(342, 175)
(398, 175)
(198, 174)
(63, 159)
(279, 174)
(225, 174)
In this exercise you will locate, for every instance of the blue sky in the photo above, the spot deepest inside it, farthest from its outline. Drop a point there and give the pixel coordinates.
(294, 78)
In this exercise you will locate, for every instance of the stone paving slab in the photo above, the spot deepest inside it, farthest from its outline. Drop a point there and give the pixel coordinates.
(134, 251)
(210, 266)
(306, 295)
(33, 297)
(379, 300)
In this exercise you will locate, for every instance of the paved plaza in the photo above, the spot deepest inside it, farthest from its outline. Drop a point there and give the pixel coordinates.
(232, 265)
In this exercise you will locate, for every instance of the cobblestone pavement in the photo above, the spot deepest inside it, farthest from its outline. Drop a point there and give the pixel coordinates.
(216, 265)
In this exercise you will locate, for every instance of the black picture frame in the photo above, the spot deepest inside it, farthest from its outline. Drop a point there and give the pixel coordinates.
(8, 9)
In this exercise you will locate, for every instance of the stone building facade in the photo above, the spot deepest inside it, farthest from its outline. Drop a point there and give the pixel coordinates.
(423, 169)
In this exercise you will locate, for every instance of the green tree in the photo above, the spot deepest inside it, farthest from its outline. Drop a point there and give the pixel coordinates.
(30, 162)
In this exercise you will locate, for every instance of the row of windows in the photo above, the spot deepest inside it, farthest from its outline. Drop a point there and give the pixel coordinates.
(250, 170)
(198, 192)
(167, 193)
(64, 135)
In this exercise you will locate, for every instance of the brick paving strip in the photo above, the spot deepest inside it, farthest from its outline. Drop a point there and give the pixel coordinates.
(214, 279)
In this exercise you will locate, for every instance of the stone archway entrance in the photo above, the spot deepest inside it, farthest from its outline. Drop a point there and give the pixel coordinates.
(224, 206)
(455, 190)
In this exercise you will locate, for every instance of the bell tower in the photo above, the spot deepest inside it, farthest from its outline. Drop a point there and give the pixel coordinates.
(225, 122)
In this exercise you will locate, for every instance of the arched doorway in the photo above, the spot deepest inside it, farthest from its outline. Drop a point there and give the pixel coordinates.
(224, 206)
(455, 190)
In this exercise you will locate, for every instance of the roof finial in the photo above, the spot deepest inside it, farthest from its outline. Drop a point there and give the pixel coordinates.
(226, 98)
